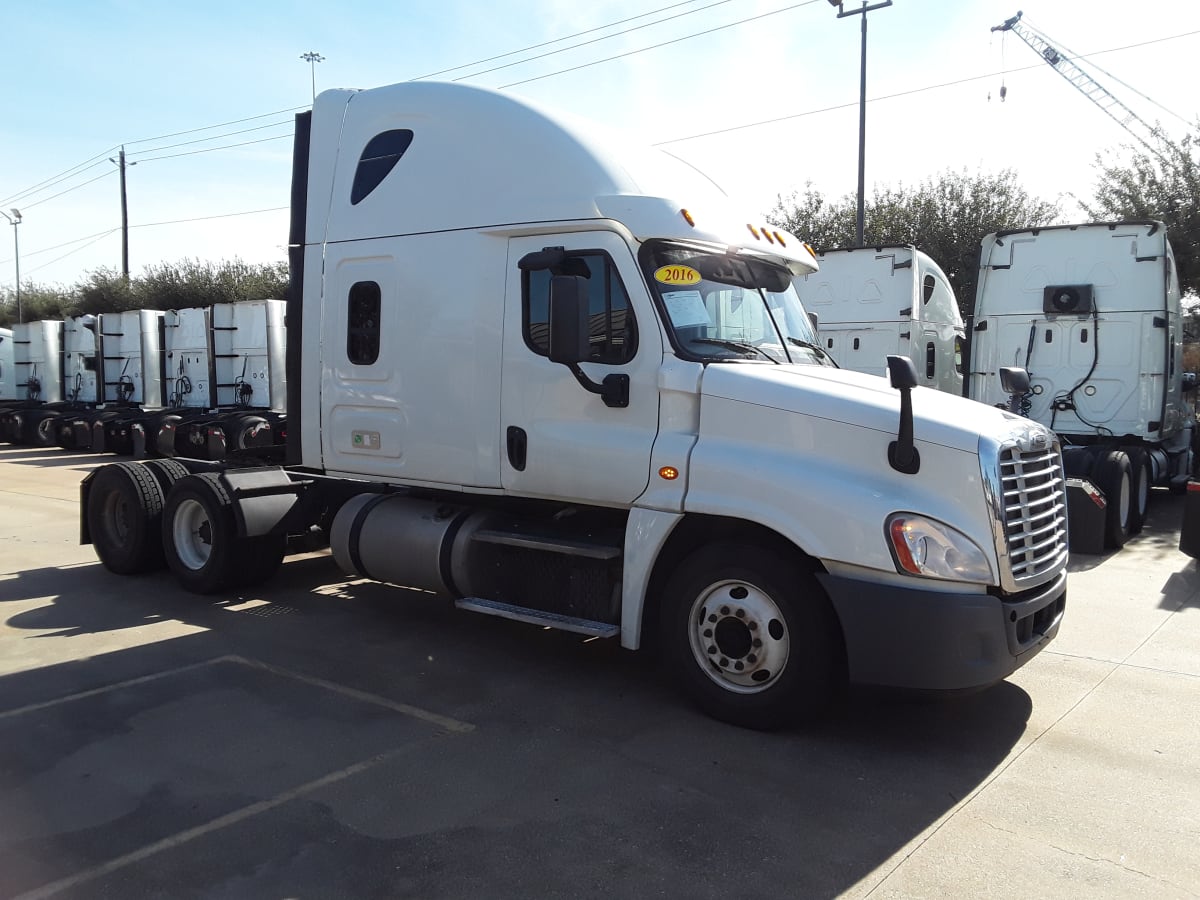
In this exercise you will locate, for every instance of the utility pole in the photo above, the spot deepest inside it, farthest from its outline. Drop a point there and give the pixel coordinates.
(312, 57)
(862, 104)
(15, 220)
(125, 216)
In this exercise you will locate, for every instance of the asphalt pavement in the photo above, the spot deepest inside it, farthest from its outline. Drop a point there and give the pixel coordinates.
(324, 737)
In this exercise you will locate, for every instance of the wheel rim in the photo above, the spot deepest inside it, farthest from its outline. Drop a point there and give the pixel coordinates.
(1125, 500)
(1143, 491)
(116, 518)
(191, 532)
(739, 636)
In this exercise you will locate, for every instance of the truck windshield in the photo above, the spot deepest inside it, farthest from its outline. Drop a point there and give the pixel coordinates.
(721, 307)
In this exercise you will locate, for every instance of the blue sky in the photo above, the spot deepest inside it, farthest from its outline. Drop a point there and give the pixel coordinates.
(79, 79)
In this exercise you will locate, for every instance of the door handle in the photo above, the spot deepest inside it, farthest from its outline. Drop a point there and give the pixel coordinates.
(518, 443)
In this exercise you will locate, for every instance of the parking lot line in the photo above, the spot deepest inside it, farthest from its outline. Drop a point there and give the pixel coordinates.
(63, 884)
(190, 834)
(445, 722)
(415, 712)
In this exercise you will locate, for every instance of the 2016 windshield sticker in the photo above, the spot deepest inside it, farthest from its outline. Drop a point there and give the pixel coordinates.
(676, 275)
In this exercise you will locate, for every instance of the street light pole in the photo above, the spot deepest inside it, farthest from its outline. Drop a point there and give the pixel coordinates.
(15, 220)
(862, 104)
(312, 58)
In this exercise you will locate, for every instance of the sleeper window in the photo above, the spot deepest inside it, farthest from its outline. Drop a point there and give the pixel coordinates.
(362, 324)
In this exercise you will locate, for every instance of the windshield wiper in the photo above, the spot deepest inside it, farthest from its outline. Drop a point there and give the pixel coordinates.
(735, 345)
(816, 348)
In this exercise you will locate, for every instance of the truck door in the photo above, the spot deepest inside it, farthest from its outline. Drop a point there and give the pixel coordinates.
(557, 439)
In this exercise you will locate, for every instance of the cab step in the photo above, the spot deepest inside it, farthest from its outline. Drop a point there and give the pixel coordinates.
(538, 617)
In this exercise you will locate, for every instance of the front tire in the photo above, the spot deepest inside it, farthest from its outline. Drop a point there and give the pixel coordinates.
(750, 636)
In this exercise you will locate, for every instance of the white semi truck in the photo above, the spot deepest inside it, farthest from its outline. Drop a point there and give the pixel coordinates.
(8, 387)
(38, 379)
(1092, 312)
(196, 382)
(876, 302)
(564, 381)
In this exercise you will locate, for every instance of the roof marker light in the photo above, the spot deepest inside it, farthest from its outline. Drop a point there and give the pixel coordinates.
(687, 217)
(754, 231)
(779, 237)
(767, 235)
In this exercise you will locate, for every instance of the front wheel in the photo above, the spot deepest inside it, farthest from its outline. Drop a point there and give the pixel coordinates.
(750, 636)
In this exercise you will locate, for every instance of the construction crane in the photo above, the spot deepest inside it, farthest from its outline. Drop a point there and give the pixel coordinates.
(1081, 80)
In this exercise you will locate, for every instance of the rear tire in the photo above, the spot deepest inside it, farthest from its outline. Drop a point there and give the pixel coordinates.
(199, 536)
(750, 636)
(1114, 477)
(1143, 478)
(124, 515)
(41, 429)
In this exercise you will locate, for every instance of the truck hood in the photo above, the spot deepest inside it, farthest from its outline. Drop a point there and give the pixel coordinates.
(866, 401)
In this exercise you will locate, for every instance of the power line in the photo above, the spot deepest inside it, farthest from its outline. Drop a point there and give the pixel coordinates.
(163, 137)
(931, 87)
(606, 37)
(86, 237)
(92, 238)
(567, 37)
(249, 212)
(277, 137)
(78, 169)
(76, 250)
(686, 37)
(67, 191)
(214, 137)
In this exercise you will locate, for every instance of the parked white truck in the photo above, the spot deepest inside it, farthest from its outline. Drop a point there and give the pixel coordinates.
(1092, 312)
(876, 302)
(38, 377)
(563, 381)
(8, 387)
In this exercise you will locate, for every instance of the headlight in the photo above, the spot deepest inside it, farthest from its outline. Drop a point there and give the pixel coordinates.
(926, 547)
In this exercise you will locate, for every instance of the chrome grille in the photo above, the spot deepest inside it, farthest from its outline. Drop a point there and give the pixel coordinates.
(1035, 511)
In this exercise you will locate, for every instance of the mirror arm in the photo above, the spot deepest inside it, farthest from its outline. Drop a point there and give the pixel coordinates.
(613, 390)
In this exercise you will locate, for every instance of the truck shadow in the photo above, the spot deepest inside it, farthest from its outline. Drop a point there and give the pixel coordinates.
(581, 756)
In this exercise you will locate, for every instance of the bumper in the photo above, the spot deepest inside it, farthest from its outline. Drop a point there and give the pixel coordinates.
(919, 639)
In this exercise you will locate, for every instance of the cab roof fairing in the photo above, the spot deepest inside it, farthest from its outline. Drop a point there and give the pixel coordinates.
(480, 158)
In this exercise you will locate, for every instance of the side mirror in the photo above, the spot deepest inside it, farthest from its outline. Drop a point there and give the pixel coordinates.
(1014, 380)
(568, 319)
(569, 313)
(816, 322)
(902, 452)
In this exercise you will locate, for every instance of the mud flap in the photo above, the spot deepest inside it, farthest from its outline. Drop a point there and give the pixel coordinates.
(1189, 532)
(1086, 516)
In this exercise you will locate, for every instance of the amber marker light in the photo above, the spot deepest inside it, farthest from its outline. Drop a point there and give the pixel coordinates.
(903, 554)
(779, 237)
(687, 217)
(668, 473)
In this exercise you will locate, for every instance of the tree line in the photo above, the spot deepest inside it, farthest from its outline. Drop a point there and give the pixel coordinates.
(946, 216)
(179, 285)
